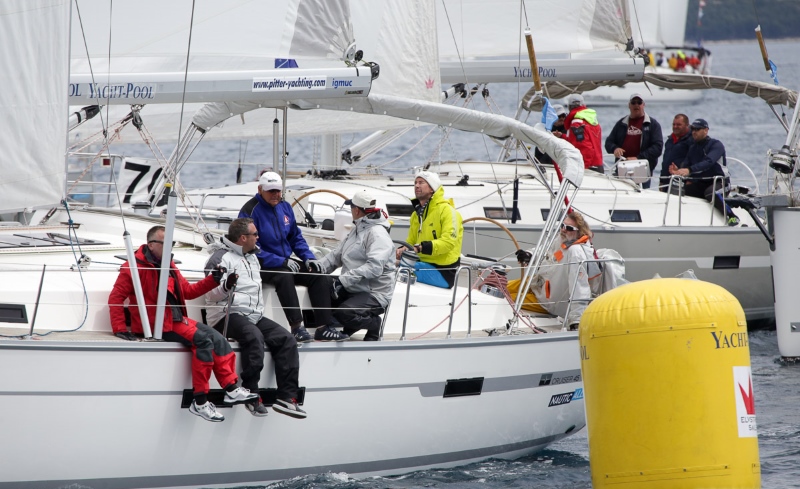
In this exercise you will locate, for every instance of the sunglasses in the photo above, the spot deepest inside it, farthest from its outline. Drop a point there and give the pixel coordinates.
(567, 227)
(636, 102)
(160, 242)
(697, 129)
(273, 190)
(250, 234)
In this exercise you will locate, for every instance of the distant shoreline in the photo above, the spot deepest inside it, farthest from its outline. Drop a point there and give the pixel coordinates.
(746, 40)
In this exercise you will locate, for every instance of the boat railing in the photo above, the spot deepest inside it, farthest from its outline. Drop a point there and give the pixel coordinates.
(206, 195)
(675, 181)
(408, 272)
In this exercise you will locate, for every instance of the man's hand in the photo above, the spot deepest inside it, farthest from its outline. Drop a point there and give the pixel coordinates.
(230, 283)
(313, 266)
(399, 252)
(125, 335)
(217, 272)
(336, 288)
(618, 153)
(292, 265)
(524, 257)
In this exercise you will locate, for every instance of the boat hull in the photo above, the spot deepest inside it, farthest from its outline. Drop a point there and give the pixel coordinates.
(108, 414)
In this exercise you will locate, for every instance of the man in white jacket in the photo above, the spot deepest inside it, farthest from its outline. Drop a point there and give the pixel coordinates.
(364, 288)
(244, 315)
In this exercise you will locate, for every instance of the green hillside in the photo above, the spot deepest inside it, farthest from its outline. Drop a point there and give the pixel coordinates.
(736, 19)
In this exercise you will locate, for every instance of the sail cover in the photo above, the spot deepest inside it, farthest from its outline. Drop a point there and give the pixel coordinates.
(33, 101)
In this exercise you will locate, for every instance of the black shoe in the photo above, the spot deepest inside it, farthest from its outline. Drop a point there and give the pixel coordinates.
(328, 333)
(289, 408)
(301, 335)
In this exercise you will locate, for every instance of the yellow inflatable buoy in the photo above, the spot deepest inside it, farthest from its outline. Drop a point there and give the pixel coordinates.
(668, 388)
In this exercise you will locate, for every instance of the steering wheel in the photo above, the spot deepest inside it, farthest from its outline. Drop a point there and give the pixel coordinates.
(409, 253)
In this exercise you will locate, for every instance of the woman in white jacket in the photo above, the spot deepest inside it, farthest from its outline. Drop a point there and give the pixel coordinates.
(564, 271)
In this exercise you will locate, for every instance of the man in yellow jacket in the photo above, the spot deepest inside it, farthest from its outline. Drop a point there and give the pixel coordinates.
(435, 231)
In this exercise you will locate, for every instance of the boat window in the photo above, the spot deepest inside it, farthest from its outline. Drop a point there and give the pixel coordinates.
(13, 313)
(545, 214)
(726, 262)
(625, 216)
(44, 240)
(399, 209)
(499, 213)
(463, 387)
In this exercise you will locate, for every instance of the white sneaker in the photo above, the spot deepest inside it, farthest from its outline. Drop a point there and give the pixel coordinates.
(206, 411)
(240, 395)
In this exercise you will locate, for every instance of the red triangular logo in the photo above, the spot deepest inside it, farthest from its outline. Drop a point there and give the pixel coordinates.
(749, 402)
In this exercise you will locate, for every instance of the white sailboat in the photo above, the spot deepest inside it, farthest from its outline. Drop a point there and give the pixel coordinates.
(92, 410)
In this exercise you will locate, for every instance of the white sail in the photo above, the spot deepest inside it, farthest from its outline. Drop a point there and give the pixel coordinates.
(33, 102)
(658, 22)
(236, 36)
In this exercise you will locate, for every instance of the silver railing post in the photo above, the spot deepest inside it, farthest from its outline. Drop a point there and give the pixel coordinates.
(469, 299)
(408, 294)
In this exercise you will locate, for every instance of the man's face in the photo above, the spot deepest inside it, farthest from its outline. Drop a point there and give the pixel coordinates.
(699, 133)
(679, 126)
(569, 230)
(422, 190)
(248, 241)
(156, 244)
(637, 107)
(272, 197)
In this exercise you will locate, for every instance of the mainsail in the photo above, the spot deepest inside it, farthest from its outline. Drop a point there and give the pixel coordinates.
(33, 102)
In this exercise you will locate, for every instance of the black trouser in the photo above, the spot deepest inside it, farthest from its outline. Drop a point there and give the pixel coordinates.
(281, 345)
(358, 311)
(705, 189)
(319, 291)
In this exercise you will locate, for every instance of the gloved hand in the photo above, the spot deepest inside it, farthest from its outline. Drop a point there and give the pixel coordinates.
(292, 265)
(336, 288)
(230, 283)
(217, 272)
(524, 257)
(125, 335)
(313, 266)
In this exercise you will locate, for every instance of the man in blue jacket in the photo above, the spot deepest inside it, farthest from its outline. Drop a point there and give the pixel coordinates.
(278, 238)
(705, 161)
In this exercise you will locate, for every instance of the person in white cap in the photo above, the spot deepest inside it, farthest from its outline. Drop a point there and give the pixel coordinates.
(278, 238)
(637, 136)
(435, 231)
(363, 290)
(584, 132)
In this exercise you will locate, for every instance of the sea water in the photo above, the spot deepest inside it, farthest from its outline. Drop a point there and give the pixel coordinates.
(747, 128)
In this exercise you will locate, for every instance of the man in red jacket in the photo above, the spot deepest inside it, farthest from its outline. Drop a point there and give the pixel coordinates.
(210, 350)
(584, 132)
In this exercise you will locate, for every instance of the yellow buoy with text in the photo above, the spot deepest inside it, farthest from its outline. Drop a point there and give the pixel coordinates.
(668, 388)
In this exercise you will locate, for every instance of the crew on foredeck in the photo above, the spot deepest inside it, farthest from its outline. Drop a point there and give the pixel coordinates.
(210, 351)
(363, 290)
(279, 237)
(236, 308)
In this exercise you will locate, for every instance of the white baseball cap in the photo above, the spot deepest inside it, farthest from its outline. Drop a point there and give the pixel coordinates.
(362, 199)
(270, 181)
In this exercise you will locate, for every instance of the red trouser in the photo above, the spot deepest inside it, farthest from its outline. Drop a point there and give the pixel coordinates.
(210, 352)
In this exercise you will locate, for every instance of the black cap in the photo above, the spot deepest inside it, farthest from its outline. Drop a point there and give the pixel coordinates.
(699, 124)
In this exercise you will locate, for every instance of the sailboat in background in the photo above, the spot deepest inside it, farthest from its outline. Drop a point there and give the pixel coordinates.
(659, 29)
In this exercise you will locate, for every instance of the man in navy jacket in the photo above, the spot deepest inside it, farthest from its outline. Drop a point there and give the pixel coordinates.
(278, 238)
(706, 169)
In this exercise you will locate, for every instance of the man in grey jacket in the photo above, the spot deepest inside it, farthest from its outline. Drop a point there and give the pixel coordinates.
(363, 290)
(238, 303)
